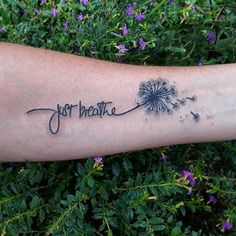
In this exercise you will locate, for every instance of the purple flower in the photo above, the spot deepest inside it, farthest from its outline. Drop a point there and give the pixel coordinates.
(170, 1)
(142, 44)
(2, 29)
(37, 11)
(193, 7)
(42, 2)
(80, 17)
(98, 160)
(85, 2)
(139, 16)
(226, 226)
(125, 29)
(211, 37)
(129, 10)
(24, 11)
(164, 158)
(213, 199)
(221, 17)
(201, 63)
(187, 175)
(122, 48)
(190, 191)
(65, 25)
(54, 12)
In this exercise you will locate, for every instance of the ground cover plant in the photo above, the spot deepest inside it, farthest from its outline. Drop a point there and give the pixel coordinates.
(176, 190)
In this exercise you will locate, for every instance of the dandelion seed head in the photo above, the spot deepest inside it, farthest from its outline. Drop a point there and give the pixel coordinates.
(155, 96)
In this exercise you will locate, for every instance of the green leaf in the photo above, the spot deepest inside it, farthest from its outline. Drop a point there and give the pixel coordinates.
(175, 49)
(194, 233)
(156, 221)
(176, 231)
(115, 169)
(90, 181)
(140, 224)
(41, 215)
(80, 169)
(138, 180)
(34, 202)
(158, 227)
(224, 43)
(5, 13)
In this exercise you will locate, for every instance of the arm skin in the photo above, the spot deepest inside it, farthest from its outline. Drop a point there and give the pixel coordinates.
(37, 78)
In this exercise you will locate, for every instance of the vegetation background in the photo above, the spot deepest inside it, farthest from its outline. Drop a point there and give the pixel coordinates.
(177, 190)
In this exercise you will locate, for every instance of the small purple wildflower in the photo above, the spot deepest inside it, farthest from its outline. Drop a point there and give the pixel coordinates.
(193, 7)
(221, 17)
(125, 30)
(226, 226)
(98, 160)
(54, 12)
(213, 199)
(201, 63)
(65, 25)
(2, 29)
(129, 10)
(42, 2)
(190, 190)
(139, 16)
(211, 37)
(170, 1)
(122, 48)
(80, 17)
(187, 175)
(142, 44)
(85, 2)
(164, 158)
(24, 11)
(36, 11)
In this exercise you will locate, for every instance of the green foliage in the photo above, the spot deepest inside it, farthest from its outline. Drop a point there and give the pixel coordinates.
(132, 193)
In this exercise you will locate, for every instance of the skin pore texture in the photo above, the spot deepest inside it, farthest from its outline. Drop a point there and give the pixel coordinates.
(56, 106)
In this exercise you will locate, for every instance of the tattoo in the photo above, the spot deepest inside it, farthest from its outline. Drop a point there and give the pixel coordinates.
(196, 116)
(155, 96)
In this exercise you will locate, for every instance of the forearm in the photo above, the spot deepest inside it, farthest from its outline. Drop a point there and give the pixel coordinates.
(35, 79)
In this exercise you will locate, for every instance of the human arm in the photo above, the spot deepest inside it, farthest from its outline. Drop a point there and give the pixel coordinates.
(37, 79)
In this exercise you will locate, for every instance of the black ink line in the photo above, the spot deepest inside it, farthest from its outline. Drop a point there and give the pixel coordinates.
(193, 98)
(196, 116)
(182, 102)
(40, 109)
(125, 112)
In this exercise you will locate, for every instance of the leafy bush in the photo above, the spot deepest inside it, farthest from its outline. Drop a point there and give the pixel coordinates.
(178, 190)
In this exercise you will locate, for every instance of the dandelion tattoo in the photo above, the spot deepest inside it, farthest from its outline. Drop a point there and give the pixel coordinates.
(155, 96)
